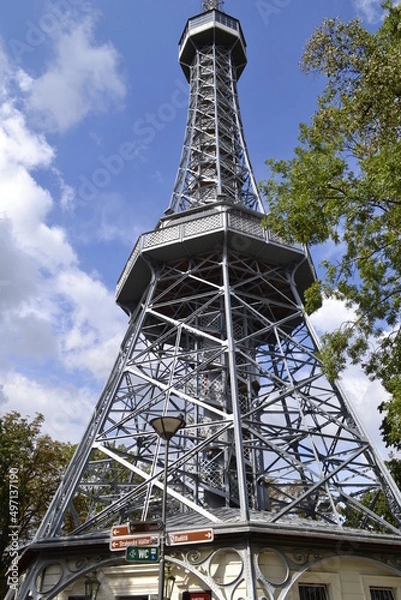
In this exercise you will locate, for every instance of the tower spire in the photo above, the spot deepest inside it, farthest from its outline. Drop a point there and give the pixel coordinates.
(214, 164)
(212, 4)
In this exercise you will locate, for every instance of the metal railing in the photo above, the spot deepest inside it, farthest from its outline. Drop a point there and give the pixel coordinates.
(210, 18)
(233, 219)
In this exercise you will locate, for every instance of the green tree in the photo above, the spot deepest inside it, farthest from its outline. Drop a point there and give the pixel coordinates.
(31, 467)
(343, 187)
(376, 501)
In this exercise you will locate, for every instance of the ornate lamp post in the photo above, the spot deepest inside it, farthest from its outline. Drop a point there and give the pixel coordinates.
(166, 428)
(92, 585)
(169, 582)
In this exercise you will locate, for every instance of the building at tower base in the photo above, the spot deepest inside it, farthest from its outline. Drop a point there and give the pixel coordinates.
(289, 560)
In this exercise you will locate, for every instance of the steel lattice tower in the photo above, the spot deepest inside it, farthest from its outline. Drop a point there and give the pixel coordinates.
(218, 334)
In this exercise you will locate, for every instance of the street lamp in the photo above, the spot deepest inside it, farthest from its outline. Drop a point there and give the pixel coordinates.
(166, 428)
(92, 585)
(169, 583)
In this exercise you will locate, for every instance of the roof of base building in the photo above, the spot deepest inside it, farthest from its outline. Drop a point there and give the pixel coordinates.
(230, 521)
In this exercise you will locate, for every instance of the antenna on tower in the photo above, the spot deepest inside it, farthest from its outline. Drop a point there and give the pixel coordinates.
(212, 4)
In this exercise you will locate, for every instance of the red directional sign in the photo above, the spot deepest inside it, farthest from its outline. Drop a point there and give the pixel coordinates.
(196, 595)
(122, 543)
(190, 537)
(120, 530)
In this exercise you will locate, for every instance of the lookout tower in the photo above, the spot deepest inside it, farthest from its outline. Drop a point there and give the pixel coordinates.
(272, 476)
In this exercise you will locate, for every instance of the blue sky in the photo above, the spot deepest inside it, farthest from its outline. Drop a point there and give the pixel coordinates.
(92, 117)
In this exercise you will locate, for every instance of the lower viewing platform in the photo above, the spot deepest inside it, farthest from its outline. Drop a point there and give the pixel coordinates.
(199, 231)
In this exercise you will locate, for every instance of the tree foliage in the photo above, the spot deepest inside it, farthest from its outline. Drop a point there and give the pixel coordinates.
(343, 188)
(31, 468)
(376, 501)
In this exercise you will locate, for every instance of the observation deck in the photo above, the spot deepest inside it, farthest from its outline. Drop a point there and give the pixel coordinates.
(196, 232)
(212, 28)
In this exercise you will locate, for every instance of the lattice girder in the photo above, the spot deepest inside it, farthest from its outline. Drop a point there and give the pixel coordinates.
(214, 161)
(264, 432)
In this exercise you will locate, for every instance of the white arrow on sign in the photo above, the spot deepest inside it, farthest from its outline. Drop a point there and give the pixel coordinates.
(120, 530)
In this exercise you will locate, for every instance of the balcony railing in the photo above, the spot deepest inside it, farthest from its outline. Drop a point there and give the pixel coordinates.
(210, 18)
(183, 229)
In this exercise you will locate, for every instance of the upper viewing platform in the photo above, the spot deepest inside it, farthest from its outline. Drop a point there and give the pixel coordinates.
(212, 27)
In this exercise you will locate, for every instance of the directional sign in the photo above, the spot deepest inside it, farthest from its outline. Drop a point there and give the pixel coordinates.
(120, 530)
(190, 537)
(142, 555)
(145, 526)
(126, 529)
(140, 541)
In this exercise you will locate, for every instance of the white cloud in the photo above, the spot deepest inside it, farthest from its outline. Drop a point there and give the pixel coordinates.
(365, 396)
(371, 10)
(27, 205)
(331, 315)
(60, 328)
(18, 145)
(112, 221)
(92, 327)
(66, 407)
(24, 204)
(20, 281)
(82, 79)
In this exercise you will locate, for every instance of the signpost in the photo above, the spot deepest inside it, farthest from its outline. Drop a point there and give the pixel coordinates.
(135, 527)
(148, 535)
(145, 526)
(122, 538)
(195, 536)
(120, 530)
(142, 555)
(121, 543)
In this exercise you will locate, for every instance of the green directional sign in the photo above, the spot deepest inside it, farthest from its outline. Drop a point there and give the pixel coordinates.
(142, 555)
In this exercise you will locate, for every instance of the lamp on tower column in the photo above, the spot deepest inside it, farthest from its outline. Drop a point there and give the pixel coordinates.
(166, 428)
